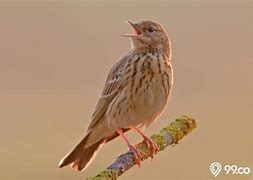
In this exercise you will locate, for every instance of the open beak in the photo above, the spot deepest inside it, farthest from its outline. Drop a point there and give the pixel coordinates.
(137, 30)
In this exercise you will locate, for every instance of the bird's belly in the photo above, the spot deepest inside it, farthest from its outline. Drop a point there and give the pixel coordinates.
(150, 104)
(145, 106)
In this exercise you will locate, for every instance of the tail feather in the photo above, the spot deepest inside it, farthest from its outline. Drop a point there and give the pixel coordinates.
(85, 152)
(80, 157)
(87, 156)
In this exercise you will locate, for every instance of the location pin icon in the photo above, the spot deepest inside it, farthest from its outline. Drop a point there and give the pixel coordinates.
(215, 168)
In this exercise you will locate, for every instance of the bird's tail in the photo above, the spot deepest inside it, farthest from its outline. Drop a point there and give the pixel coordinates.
(84, 152)
(80, 157)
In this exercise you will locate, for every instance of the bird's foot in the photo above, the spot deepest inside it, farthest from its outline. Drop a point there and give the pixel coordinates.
(152, 145)
(138, 154)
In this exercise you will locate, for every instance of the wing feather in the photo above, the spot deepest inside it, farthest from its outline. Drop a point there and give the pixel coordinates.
(113, 84)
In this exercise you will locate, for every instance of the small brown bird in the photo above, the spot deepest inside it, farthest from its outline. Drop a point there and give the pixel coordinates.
(136, 91)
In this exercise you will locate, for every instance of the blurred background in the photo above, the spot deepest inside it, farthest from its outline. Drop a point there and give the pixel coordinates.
(55, 56)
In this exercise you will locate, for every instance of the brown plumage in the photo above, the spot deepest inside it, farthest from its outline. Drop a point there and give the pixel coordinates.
(136, 91)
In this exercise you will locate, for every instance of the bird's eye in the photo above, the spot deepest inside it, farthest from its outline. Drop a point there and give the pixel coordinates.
(151, 29)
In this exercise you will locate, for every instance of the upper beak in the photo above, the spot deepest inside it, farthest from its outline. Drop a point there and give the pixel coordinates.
(137, 30)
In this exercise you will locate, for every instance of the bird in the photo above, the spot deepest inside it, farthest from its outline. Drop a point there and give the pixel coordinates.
(136, 91)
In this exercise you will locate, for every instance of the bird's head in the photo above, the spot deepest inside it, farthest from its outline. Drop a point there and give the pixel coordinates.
(149, 33)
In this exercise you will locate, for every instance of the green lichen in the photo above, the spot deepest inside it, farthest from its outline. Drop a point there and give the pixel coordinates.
(108, 174)
(180, 127)
(160, 140)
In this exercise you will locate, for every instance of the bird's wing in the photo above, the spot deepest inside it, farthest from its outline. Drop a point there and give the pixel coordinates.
(112, 86)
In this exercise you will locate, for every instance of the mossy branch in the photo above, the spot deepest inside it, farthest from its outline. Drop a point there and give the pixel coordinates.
(167, 136)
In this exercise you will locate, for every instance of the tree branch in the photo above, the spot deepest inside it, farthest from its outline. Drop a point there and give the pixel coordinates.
(167, 136)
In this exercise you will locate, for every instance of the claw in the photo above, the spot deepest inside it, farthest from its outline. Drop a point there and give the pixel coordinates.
(153, 146)
(150, 143)
(147, 143)
(137, 154)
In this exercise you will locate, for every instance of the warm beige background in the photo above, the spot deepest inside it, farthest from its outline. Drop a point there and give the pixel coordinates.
(54, 57)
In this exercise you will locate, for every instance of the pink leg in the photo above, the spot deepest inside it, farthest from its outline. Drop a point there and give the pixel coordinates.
(138, 154)
(149, 142)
